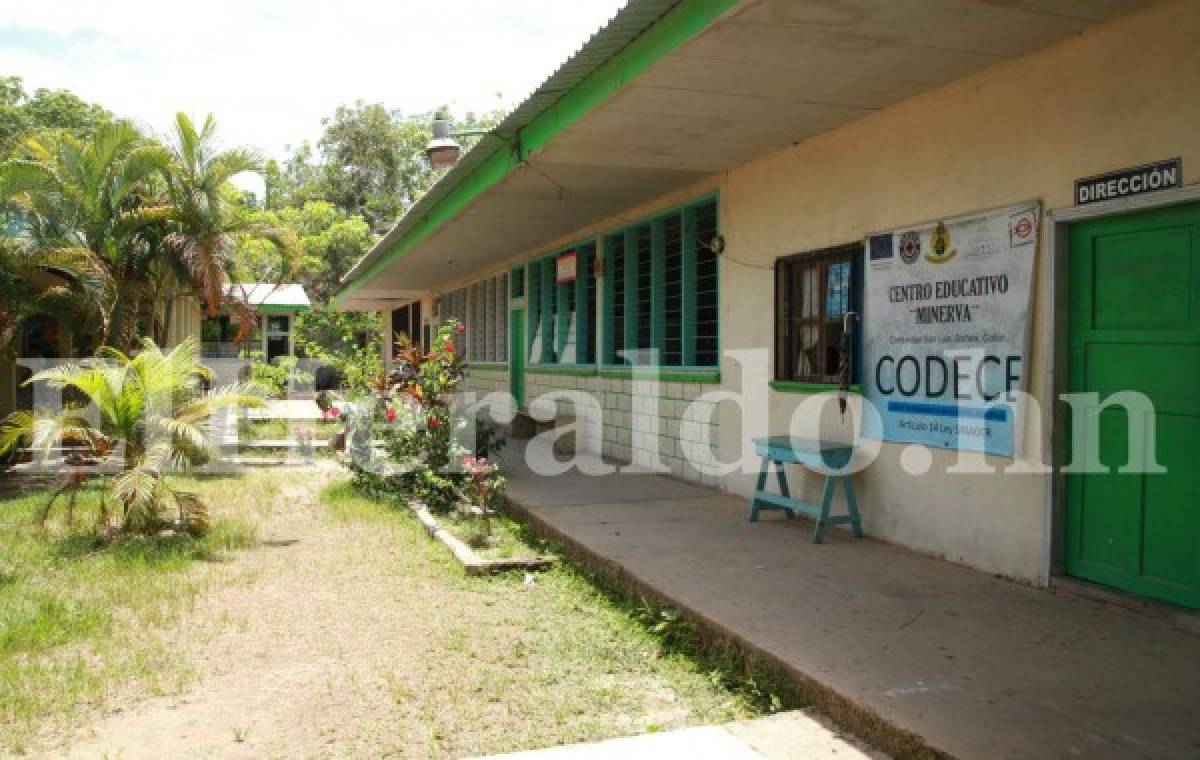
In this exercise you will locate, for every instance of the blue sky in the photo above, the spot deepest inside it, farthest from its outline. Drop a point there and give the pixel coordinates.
(271, 69)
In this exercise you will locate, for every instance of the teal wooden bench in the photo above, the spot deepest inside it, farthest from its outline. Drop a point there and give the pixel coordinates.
(829, 459)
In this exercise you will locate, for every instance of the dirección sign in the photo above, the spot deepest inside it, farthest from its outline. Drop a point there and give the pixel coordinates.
(1159, 175)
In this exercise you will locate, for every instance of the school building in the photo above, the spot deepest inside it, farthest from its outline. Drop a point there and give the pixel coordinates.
(1003, 196)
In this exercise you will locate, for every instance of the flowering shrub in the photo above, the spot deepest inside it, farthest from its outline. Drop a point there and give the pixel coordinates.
(411, 416)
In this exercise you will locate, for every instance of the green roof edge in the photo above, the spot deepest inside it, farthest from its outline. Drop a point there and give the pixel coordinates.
(673, 28)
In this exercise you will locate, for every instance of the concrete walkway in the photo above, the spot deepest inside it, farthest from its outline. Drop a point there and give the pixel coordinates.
(786, 736)
(975, 666)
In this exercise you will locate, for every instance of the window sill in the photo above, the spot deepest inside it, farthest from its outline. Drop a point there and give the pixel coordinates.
(661, 374)
(665, 374)
(577, 370)
(488, 366)
(794, 386)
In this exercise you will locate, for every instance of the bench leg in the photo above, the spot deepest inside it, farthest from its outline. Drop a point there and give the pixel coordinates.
(761, 485)
(852, 506)
(781, 477)
(826, 503)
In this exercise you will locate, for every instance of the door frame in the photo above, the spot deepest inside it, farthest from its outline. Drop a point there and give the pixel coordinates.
(516, 354)
(1055, 343)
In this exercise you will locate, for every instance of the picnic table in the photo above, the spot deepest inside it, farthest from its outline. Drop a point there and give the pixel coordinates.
(825, 458)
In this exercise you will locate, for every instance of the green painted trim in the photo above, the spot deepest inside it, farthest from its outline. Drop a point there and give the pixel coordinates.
(658, 290)
(663, 375)
(631, 291)
(687, 317)
(516, 275)
(790, 386)
(574, 370)
(607, 294)
(488, 366)
(490, 172)
(277, 308)
(546, 314)
(677, 26)
(584, 256)
(666, 375)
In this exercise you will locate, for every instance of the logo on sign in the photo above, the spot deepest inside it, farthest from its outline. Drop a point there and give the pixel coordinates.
(881, 247)
(1022, 229)
(942, 250)
(910, 246)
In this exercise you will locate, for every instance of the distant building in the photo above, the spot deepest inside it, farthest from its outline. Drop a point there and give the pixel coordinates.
(276, 308)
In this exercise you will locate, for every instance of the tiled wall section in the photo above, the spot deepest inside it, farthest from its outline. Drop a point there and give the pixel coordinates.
(485, 380)
(641, 416)
(633, 420)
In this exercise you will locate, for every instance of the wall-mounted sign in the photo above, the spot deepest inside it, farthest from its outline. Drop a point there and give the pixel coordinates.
(564, 267)
(1122, 183)
(946, 329)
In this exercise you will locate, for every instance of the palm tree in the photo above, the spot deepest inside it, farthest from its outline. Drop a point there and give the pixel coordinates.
(153, 214)
(97, 195)
(203, 237)
(151, 404)
(70, 284)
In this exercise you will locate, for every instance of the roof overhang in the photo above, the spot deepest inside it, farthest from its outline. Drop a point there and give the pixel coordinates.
(671, 93)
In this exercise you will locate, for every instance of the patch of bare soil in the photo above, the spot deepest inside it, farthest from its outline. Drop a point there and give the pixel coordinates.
(357, 636)
(290, 657)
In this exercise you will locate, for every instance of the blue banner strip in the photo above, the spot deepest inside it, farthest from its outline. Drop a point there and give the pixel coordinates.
(991, 414)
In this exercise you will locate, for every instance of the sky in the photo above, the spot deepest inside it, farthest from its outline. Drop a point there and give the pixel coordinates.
(270, 70)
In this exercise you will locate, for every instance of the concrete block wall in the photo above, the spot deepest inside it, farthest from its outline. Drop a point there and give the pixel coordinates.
(640, 418)
(483, 380)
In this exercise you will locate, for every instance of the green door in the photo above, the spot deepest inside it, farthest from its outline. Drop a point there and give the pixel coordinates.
(1135, 325)
(516, 355)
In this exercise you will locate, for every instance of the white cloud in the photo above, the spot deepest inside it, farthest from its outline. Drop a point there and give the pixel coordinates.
(272, 69)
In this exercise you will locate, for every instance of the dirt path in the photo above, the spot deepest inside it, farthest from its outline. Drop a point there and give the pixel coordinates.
(356, 636)
(291, 661)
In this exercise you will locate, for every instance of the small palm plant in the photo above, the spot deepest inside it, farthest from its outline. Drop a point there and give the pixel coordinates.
(154, 406)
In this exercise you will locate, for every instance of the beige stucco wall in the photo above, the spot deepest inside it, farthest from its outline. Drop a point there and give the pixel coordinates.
(186, 316)
(1117, 95)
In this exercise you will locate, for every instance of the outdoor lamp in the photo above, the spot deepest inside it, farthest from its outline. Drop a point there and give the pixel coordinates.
(442, 150)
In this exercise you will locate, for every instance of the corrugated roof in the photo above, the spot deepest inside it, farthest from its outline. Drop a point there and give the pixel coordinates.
(632, 20)
(269, 293)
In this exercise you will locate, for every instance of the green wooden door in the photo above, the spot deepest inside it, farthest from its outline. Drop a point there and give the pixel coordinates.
(1135, 325)
(516, 355)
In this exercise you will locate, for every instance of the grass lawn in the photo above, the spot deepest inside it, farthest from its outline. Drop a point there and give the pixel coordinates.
(77, 621)
(315, 622)
(277, 429)
(515, 666)
(504, 541)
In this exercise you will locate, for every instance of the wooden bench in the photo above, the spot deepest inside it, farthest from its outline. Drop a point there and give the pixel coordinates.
(828, 459)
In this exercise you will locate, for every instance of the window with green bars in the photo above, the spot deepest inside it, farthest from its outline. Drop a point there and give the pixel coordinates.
(562, 327)
(661, 291)
(482, 310)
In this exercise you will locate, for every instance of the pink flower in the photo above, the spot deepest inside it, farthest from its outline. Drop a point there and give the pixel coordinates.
(390, 414)
(460, 329)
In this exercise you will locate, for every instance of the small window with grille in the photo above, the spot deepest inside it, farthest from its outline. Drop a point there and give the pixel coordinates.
(813, 293)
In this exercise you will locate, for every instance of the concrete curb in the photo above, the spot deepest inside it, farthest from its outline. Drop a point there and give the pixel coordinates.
(846, 714)
(471, 562)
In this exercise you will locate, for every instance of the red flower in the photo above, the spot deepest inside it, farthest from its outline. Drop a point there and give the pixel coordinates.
(450, 346)
(432, 422)
(334, 412)
(460, 329)
(390, 414)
